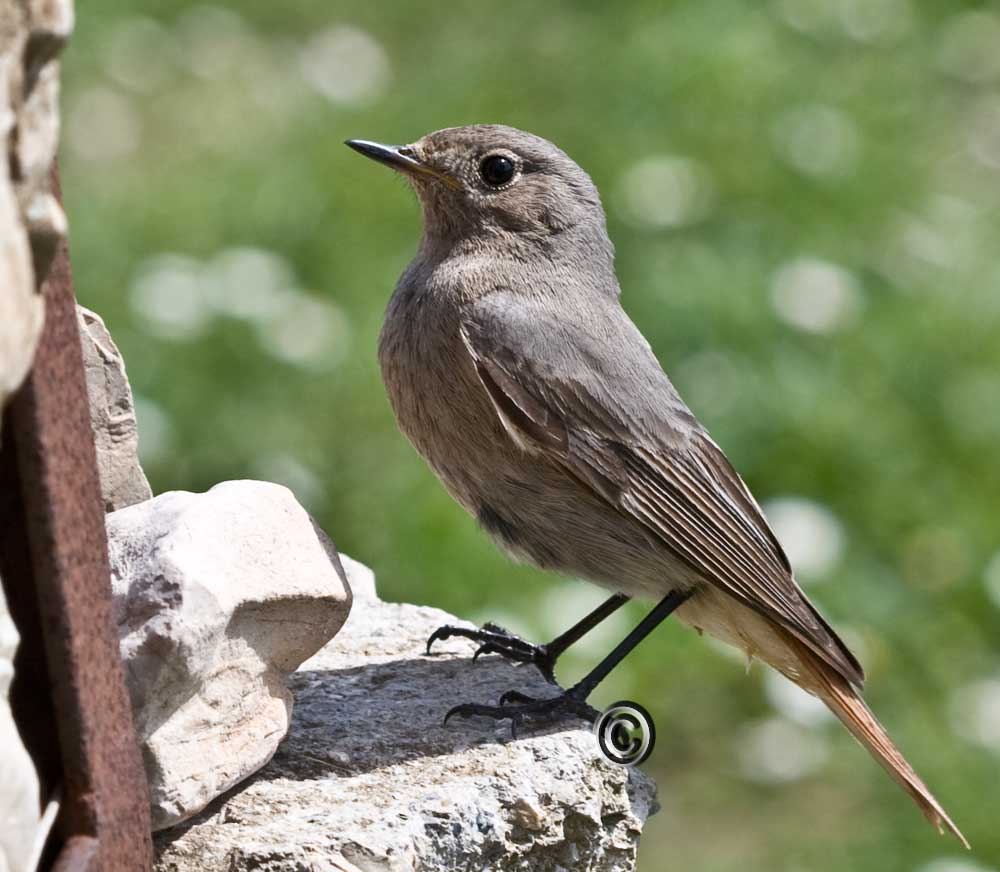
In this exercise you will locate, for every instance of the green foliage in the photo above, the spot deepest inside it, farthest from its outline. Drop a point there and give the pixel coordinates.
(803, 195)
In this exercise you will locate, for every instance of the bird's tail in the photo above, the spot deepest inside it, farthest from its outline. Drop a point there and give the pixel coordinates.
(844, 701)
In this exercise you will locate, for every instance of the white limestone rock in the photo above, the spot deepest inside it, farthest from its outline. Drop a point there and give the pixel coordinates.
(360, 578)
(21, 310)
(32, 33)
(112, 416)
(19, 798)
(370, 779)
(218, 597)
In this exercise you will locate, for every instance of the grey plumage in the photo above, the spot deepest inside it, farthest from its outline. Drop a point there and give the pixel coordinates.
(515, 372)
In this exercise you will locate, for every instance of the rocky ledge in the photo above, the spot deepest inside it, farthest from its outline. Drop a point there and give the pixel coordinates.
(370, 779)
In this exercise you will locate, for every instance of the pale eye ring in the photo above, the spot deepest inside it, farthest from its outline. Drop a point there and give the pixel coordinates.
(497, 170)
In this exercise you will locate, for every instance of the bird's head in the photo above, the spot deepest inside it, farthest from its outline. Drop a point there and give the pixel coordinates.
(488, 180)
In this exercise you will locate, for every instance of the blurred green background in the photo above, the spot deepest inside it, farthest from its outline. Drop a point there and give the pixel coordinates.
(803, 195)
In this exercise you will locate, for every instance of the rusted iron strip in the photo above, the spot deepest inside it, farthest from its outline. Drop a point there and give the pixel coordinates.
(54, 547)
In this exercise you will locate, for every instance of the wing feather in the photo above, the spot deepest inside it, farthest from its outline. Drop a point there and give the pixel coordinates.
(662, 469)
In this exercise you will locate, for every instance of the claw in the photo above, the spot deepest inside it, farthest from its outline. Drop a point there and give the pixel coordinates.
(438, 634)
(514, 696)
(449, 714)
(470, 709)
(494, 639)
(504, 643)
(519, 708)
(485, 648)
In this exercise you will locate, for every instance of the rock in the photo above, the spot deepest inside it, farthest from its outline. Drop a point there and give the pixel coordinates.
(21, 309)
(370, 779)
(360, 578)
(112, 416)
(218, 597)
(47, 27)
(19, 799)
(31, 221)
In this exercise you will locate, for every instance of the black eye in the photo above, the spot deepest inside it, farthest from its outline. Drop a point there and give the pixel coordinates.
(497, 170)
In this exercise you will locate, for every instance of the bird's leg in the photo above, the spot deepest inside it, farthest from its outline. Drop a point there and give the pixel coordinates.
(518, 708)
(494, 639)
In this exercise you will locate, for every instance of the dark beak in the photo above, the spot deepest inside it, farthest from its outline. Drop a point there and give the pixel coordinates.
(399, 157)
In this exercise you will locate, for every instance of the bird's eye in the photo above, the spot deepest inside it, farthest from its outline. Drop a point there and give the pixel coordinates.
(497, 170)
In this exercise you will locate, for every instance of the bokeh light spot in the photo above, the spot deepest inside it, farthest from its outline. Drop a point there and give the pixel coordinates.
(970, 46)
(168, 297)
(815, 296)
(346, 65)
(975, 713)
(809, 532)
(791, 701)
(777, 751)
(817, 140)
(666, 191)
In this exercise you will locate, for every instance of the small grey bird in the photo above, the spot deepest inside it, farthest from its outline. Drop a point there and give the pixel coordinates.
(514, 371)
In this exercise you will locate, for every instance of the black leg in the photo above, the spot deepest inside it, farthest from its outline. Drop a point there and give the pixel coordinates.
(517, 707)
(496, 640)
(557, 646)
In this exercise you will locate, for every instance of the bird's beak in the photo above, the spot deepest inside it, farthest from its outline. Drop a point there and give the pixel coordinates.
(401, 158)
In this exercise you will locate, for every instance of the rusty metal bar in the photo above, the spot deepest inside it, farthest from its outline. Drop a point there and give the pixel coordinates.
(69, 695)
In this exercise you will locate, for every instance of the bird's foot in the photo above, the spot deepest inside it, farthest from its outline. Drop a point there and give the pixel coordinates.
(494, 639)
(520, 709)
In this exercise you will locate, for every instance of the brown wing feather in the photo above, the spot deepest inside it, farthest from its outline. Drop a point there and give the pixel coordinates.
(684, 490)
(678, 494)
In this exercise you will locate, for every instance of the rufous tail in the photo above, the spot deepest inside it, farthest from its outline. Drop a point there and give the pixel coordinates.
(844, 701)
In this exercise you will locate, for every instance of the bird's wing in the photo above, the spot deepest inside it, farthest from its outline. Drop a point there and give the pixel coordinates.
(590, 394)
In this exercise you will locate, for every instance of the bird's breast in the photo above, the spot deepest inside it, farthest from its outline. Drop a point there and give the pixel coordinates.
(438, 400)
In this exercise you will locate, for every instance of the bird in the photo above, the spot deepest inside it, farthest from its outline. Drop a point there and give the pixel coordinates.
(515, 372)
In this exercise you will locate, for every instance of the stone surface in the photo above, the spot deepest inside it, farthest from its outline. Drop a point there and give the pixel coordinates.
(32, 33)
(21, 309)
(19, 798)
(360, 578)
(370, 779)
(218, 597)
(112, 416)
